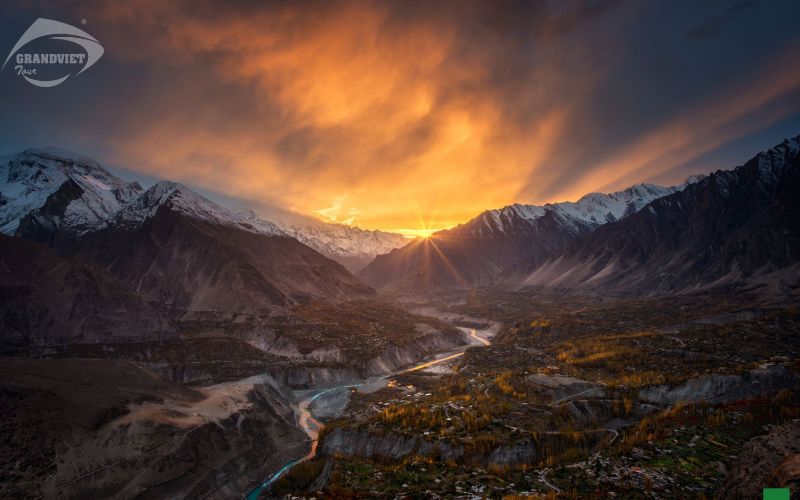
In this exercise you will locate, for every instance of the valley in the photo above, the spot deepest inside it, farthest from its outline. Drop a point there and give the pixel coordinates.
(180, 402)
(562, 394)
(536, 414)
(312, 426)
(156, 344)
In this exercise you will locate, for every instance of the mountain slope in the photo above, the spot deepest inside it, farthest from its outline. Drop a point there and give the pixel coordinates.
(175, 247)
(732, 227)
(46, 299)
(503, 241)
(592, 210)
(182, 199)
(168, 243)
(44, 188)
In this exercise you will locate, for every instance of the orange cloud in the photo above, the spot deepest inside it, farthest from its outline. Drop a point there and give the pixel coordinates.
(396, 116)
(386, 119)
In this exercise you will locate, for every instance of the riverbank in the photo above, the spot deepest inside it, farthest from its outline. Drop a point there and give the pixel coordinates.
(329, 402)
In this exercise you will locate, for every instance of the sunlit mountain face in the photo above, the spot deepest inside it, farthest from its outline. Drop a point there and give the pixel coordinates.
(411, 117)
(400, 249)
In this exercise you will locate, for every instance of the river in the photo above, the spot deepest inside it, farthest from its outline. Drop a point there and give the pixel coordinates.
(311, 426)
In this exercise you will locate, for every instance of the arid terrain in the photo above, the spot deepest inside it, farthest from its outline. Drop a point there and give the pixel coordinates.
(579, 396)
(643, 343)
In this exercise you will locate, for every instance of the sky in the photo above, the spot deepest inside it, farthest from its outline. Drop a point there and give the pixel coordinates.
(412, 116)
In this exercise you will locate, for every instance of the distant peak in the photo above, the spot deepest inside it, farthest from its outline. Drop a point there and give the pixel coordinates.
(592, 209)
(60, 154)
(588, 196)
(180, 198)
(79, 167)
(31, 176)
(163, 192)
(169, 187)
(791, 145)
(694, 179)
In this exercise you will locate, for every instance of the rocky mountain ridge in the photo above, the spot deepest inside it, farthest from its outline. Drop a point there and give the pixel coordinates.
(732, 227)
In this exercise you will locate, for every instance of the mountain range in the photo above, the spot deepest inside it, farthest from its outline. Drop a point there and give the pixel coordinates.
(91, 196)
(733, 227)
(167, 252)
(501, 242)
(118, 254)
(737, 227)
(348, 245)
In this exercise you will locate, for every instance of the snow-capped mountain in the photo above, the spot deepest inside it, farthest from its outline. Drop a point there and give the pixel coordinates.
(733, 227)
(55, 196)
(44, 192)
(592, 209)
(355, 247)
(41, 182)
(168, 244)
(181, 199)
(177, 248)
(506, 240)
(351, 246)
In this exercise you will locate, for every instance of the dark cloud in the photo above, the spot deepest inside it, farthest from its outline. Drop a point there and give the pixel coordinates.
(713, 25)
(407, 110)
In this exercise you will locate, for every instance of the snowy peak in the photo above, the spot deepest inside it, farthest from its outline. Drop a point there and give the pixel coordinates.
(772, 162)
(597, 208)
(29, 179)
(339, 240)
(56, 189)
(765, 169)
(351, 246)
(49, 192)
(184, 200)
(591, 210)
(693, 179)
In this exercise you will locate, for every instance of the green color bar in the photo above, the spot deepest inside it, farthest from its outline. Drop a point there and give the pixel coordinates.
(776, 493)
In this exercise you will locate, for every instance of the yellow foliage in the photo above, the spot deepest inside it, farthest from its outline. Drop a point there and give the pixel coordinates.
(628, 405)
(626, 336)
(504, 383)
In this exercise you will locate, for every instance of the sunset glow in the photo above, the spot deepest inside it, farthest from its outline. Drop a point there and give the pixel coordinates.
(418, 233)
(400, 249)
(383, 115)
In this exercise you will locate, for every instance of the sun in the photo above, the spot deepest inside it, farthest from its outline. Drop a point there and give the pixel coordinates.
(417, 233)
(427, 224)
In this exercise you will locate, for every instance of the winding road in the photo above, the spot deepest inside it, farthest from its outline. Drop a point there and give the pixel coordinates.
(311, 426)
(543, 480)
(474, 334)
